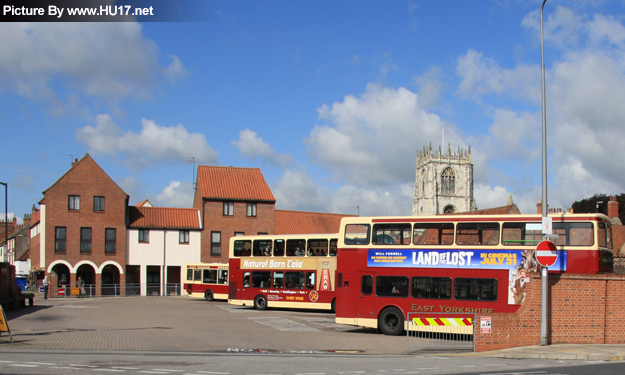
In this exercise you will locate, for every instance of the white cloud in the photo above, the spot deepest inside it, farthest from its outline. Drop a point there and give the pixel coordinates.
(480, 76)
(371, 140)
(252, 146)
(176, 194)
(430, 88)
(297, 190)
(110, 60)
(153, 145)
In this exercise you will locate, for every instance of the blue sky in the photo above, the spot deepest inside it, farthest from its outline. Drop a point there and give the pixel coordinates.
(331, 99)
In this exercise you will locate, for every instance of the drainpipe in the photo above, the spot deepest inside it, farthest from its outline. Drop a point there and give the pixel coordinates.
(163, 285)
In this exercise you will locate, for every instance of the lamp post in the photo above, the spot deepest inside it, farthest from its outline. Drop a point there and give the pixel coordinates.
(544, 275)
(6, 213)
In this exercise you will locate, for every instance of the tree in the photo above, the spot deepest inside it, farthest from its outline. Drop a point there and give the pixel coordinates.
(589, 205)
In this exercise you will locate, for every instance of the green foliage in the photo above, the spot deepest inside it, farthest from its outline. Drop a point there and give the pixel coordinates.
(589, 205)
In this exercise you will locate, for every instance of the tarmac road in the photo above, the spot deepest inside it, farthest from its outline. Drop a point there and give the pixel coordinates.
(184, 324)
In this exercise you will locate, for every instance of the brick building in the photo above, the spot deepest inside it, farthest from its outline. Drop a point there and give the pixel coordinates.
(82, 229)
(233, 201)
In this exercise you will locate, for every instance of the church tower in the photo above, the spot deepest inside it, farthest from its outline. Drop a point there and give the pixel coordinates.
(443, 183)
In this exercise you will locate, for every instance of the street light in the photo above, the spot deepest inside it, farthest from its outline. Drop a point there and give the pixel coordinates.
(6, 213)
(544, 276)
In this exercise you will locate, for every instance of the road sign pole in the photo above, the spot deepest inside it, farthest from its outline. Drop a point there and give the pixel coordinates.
(544, 305)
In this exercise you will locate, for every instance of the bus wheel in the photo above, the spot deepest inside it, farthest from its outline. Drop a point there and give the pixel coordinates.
(391, 321)
(208, 295)
(260, 302)
(333, 307)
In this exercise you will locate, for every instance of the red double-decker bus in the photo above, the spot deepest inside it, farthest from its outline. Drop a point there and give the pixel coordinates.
(288, 271)
(206, 280)
(391, 266)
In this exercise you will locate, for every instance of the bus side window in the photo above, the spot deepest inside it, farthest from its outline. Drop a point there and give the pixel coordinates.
(278, 248)
(246, 280)
(223, 277)
(366, 284)
(477, 234)
(210, 276)
(475, 289)
(357, 234)
(310, 280)
(261, 279)
(189, 274)
(391, 234)
(278, 279)
(242, 248)
(391, 286)
(433, 234)
(197, 275)
(431, 287)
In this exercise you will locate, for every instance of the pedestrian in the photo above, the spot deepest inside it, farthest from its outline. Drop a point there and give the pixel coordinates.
(80, 283)
(45, 287)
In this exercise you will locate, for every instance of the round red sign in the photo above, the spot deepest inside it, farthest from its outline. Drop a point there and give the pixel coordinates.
(546, 253)
(61, 292)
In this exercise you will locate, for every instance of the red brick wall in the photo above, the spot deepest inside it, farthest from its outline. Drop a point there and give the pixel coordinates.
(215, 221)
(87, 180)
(583, 309)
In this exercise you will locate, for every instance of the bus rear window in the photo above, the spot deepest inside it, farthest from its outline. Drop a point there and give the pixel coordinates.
(431, 287)
(357, 234)
(433, 234)
(475, 289)
(604, 236)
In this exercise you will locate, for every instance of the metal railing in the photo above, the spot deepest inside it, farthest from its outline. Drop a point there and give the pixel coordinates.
(115, 290)
(440, 331)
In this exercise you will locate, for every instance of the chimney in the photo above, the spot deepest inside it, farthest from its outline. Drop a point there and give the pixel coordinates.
(539, 207)
(613, 207)
(74, 163)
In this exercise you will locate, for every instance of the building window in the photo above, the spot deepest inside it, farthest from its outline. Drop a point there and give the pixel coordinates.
(85, 240)
(239, 234)
(262, 233)
(228, 208)
(74, 202)
(215, 244)
(183, 236)
(98, 203)
(251, 209)
(60, 236)
(448, 181)
(144, 235)
(110, 244)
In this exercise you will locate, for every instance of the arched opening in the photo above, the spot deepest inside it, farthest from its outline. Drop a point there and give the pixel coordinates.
(110, 281)
(448, 181)
(449, 209)
(87, 273)
(59, 280)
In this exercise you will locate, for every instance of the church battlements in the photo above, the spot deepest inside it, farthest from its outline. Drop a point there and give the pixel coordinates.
(427, 155)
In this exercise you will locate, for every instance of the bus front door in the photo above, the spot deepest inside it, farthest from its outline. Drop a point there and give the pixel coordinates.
(366, 296)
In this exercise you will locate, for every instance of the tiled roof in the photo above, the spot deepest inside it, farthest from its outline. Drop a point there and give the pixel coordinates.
(233, 183)
(300, 222)
(164, 217)
(88, 166)
(510, 209)
(144, 203)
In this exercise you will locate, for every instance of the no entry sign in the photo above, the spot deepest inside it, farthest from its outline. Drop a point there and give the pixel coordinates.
(546, 253)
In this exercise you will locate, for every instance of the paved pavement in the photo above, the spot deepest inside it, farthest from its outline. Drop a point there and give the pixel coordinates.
(181, 324)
